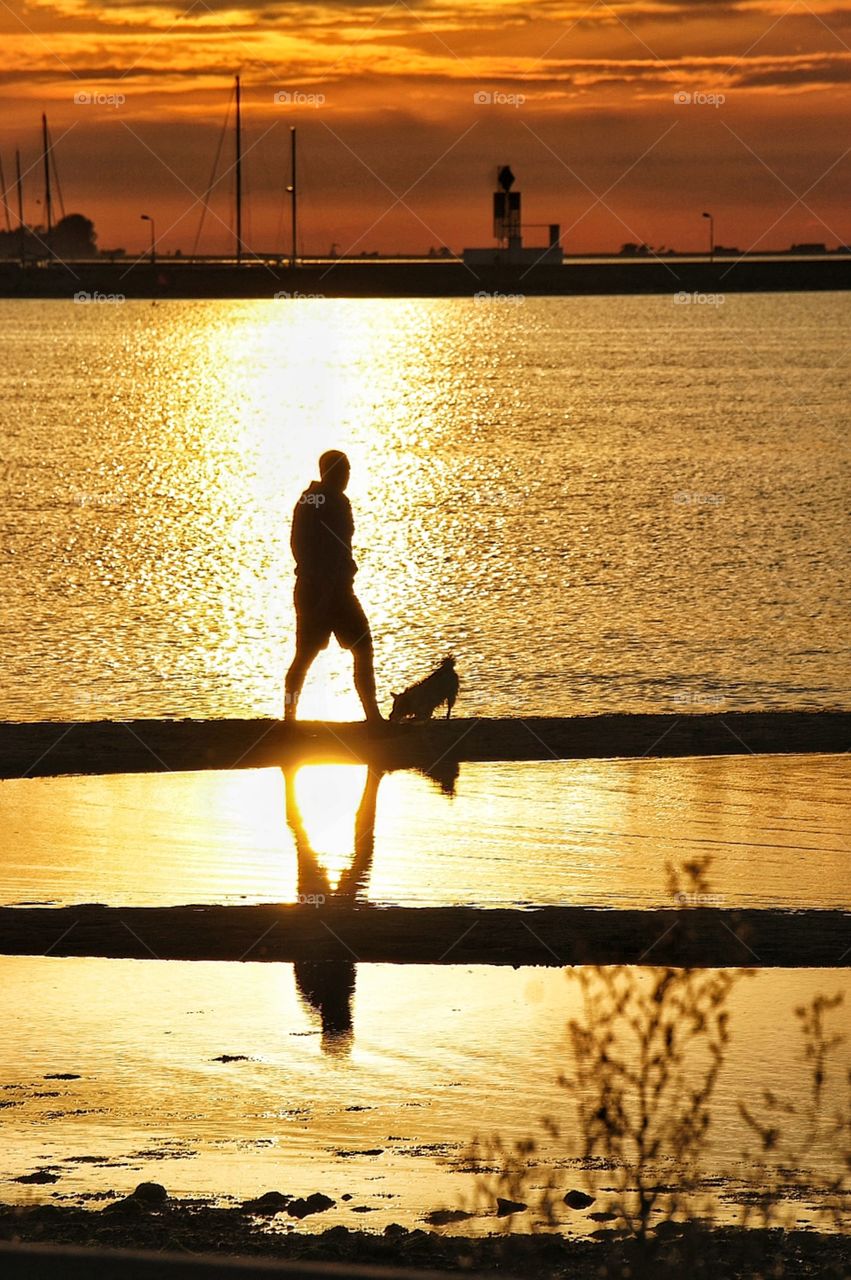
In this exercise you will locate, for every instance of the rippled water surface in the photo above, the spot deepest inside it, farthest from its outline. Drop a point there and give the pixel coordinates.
(613, 503)
(582, 832)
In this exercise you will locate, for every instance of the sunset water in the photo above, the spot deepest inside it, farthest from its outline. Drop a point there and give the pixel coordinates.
(591, 833)
(581, 547)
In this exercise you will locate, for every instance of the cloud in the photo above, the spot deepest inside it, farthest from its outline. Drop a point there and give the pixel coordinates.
(598, 83)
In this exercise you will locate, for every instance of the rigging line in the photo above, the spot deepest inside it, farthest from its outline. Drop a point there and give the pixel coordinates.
(314, 217)
(278, 190)
(3, 196)
(211, 183)
(52, 158)
(248, 235)
(268, 190)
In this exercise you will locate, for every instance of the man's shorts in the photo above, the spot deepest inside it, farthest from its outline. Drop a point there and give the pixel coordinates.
(321, 614)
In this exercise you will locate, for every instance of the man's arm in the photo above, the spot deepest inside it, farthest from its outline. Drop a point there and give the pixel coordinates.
(299, 535)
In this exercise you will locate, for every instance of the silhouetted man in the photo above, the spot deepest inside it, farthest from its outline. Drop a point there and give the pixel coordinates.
(325, 600)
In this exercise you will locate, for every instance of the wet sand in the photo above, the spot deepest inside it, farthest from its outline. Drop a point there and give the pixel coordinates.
(47, 749)
(702, 936)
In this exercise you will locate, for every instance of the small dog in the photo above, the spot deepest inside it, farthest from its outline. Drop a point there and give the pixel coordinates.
(419, 701)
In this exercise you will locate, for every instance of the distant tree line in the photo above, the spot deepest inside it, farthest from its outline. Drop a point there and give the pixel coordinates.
(73, 236)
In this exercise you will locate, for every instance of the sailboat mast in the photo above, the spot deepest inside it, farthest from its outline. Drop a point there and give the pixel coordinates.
(238, 175)
(293, 200)
(48, 211)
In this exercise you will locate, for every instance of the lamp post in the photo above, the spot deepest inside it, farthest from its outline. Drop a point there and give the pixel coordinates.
(146, 217)
(711, 236)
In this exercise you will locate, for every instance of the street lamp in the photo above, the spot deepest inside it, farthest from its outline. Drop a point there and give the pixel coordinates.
(711, 235)
(146, 217)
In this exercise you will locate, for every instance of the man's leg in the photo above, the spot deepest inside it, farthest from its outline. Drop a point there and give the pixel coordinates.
(352, 631)
(365, 677)
(305, 653)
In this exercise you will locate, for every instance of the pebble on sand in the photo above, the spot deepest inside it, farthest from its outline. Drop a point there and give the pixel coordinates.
(40, 1175)
(150, 1193)
(442, 1217)
(126, 1208)
(578, 1200)
(270, 1202)
(147, 1195)
(316, 1203)
(505, 1207)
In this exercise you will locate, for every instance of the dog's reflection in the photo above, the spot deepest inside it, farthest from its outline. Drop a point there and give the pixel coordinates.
(327, 986)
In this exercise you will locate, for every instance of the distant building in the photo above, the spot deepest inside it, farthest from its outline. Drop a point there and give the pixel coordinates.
(508, 233)
(808, 248)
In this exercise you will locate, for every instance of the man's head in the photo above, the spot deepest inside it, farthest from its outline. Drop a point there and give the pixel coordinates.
(334, 469)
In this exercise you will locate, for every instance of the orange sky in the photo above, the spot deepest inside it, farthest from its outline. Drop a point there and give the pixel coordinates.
(408, 108)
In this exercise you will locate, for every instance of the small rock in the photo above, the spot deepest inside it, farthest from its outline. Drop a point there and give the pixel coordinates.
(348, 1196)
(317, 1203)
(48, 1212)
(602, 1217)
(395, 1229)
(270, 1202)
(126, 1208)
(668, 1230)
(62, 1075)
(40, 1176)
(505, 1207)
(232, 1057)
(578, 1200)
(442, 1217)
(152, 1194)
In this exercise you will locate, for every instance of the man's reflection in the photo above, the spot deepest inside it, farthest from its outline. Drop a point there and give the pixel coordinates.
(328, 985)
